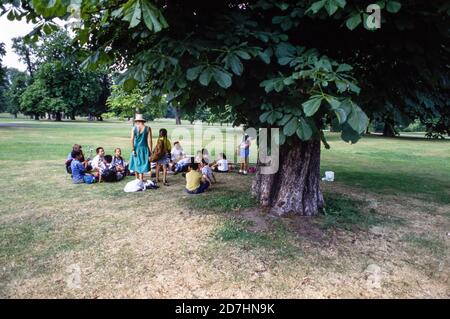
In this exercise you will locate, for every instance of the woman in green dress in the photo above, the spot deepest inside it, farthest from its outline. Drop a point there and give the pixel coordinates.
(141, 142)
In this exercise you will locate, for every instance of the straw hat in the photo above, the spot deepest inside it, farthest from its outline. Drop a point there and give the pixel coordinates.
(139, 117)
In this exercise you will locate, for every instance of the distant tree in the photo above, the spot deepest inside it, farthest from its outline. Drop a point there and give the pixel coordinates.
(27, 52)
(3, 80)
(17, 83)
(125, 104)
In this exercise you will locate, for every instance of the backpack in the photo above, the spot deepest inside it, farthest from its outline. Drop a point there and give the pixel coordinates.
(68, 167)
(158, 152)
(109, 175)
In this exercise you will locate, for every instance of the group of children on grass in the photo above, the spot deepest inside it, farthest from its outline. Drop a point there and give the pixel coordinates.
(102, 168)
(198, 171)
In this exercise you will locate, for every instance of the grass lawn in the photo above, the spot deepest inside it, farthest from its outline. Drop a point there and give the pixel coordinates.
(384, 234)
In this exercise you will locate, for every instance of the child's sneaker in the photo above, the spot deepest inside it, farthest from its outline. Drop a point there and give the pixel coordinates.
(244, 172)
(240, 171)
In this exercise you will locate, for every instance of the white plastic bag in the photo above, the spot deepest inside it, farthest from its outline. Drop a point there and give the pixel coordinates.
(329, 176)
(134, 186)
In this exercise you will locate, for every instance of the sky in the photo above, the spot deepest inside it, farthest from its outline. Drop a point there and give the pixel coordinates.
(9, 30)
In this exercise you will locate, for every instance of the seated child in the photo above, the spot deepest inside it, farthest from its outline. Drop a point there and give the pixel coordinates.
(118, 162)
(221, 165)
(78, 170)
(195, 183)
(98, 159)
(177, 152)
(108, 172)
(207, 173)
(182, 165)
(77, 147)
(202, 155)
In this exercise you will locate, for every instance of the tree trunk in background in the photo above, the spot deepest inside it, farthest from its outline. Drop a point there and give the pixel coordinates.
(177, 116)
(389, 128)
(36, 117)
(72, 116)
(58, 117)
(295, 187)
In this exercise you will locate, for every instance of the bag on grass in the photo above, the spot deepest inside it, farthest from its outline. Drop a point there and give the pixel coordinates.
(134, 186)
(109, 175)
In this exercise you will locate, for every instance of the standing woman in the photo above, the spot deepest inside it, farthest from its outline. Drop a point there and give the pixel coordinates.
(141, 143)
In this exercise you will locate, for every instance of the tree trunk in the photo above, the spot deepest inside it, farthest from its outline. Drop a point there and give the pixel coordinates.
(58, 116)
(177, 116)
(36, 117)
(72, 116)
(389, 128)
(295, 187)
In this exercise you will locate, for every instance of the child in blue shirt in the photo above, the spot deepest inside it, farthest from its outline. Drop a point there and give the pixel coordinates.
(78, 170)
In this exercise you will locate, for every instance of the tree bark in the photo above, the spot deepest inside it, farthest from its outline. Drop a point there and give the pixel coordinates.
(389, 128)
(177, 116)
(295, 188)
(36, 117)
(58, 116)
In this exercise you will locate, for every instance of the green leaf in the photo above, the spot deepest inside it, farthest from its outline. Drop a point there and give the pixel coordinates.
(349, 135)
(129, 85)
(243, 54)
(150, 17)
(235, 64)
(393, 6)
(358, 120)
(192, 73)
(311, 106)
(282, 138)
(274, 116)
(335, 103)
(353, 21)
(304, 130)
(344, 68)
(267, 85)
(354, 88)
(265, 55)
(263, 117)
(316, 6)
(205, 77)
(134, 14)
(285, 119)
(341, 86)
(222, 78)
(331, 7)
(291, 126)
(341, 3)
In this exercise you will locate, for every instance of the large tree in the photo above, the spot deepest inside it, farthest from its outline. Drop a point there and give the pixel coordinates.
(59, 83)
(3, 80)
(297, 66)
(18, 81)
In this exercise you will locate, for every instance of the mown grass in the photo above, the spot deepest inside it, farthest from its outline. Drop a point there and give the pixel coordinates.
(277, 239)
(417, 168)
(222, 201)
(350, 214)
